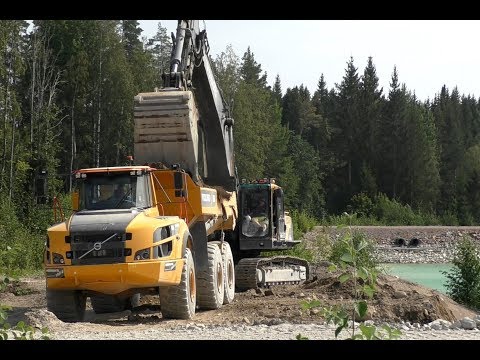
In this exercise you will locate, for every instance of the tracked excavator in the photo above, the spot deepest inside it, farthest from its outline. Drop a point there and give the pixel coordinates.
(177, 223)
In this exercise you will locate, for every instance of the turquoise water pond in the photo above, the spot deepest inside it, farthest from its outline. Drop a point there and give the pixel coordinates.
(429, 275)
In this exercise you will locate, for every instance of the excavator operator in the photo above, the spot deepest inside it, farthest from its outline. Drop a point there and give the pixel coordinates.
(256, 222)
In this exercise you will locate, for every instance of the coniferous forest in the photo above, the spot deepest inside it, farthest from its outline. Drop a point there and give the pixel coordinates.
(66, 102)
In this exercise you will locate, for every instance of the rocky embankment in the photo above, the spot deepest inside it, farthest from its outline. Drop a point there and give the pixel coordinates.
(410, 244)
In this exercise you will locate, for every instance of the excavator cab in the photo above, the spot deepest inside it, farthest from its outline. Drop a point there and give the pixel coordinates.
(263, 222)
(264, 226)
(256, 213)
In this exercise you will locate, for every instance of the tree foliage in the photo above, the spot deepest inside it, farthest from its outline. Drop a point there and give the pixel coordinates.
(463, 280)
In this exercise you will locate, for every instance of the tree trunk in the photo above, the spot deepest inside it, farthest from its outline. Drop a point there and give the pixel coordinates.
(73, 150)
(32, 111)
(12, 152)
(5, 117)
(5, 120)
(350, 172)
(99, 115)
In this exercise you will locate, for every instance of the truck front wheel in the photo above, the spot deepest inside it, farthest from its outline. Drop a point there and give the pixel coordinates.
(179, 302)
(68, 306)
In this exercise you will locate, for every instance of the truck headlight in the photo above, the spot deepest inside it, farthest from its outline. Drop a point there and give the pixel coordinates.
(58, 259)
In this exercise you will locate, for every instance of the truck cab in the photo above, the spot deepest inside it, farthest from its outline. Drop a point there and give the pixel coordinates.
(111, 190)
(118, 243)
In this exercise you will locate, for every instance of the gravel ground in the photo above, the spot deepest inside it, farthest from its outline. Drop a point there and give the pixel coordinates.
(239, 332)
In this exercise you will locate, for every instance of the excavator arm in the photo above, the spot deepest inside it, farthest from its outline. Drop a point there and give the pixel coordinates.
(188, 122)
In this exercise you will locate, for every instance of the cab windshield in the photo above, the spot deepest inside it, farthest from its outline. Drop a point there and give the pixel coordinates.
(255, 214)
(113, 191)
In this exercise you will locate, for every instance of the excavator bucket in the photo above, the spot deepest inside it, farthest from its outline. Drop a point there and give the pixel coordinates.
(166, 129)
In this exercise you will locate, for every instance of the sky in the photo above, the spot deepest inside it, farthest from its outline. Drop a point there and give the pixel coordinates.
(427, 53)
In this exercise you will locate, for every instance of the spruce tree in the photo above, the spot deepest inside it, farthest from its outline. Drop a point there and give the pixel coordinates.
(250, 70)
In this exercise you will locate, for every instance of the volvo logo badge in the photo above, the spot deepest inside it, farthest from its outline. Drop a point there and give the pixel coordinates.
(97, 246)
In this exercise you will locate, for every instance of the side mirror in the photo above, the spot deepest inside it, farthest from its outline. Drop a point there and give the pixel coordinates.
(75, 201)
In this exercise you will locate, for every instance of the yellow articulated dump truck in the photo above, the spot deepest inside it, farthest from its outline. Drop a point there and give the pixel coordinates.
(134, 233)
(160, 226)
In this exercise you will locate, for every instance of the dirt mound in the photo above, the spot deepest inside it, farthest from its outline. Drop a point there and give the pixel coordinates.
(394, 299)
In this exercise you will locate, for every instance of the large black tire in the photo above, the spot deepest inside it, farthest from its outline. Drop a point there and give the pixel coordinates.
(68, 306)
(210, 284)
(179, 302)
(103, 304)
(229, 274)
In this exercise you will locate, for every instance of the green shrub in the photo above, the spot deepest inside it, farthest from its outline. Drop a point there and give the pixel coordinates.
(394, 213)
(382, 211)
(354, 220)
(302, 222)
(351, 260)
(21, 250)
(463, 280)
(365, 257)
(449, 219)
(21, 331)
(361, 204)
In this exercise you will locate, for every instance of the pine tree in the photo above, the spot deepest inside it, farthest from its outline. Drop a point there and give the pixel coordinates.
(320, 97)
(131, 37)
(447, 113)
(370, 107)
(392, 139)
(277, 90)
(250, 70)
(345, 133)
(309, 196)
(421, 179)
(298, 111)
(160, 46)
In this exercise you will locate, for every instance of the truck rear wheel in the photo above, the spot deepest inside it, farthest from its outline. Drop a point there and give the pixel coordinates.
(211, 286)
(179, 302)
(229, 275)
(68, 306)
(104, 303)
